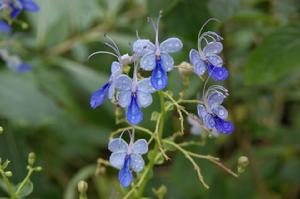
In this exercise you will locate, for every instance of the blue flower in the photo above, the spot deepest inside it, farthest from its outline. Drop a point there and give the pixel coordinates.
(208, 58)
(127, 158)
(17, 6)
(156, 57)
(212, 113)
(133, 96)
(14, 62)
(4, 27)
(108, 89)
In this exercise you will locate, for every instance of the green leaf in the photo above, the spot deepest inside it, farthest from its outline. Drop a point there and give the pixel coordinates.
(275, 58)
(26, 189)
(22, 101)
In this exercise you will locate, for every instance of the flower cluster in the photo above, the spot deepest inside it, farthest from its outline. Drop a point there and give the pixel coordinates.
(135, 93)
(14, 8)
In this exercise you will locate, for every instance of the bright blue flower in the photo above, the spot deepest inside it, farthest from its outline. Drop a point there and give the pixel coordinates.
(127, 158)
(4, 27)
(134, 96)
(212, 113)
(208, 58)
(156, 58)
(108, 89)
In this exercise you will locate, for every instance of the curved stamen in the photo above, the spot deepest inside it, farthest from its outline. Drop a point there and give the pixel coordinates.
(102, 52)
(115, 45)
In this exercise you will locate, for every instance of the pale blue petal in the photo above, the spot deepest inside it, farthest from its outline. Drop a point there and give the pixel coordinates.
(142, 47)
(214, 47)
(140, 146)
(167, 61)
(215, 60)
(201, 111)
(144, 99)
(220, 111)
(117, 159)
(145, 86)
(137, 163)
(195, 126)
(115, 67)
(198, 64)
(123, 83)
(148, 61)
(124, 98)
(209, 121)
(171, 45)
(117, 145)
(215, 99)
(111, 91)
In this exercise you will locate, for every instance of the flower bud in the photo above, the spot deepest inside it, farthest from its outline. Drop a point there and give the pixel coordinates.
(82, 186)
(243, 161)
(31, 158)
(1, 130)
(39, 168)
(8, 173)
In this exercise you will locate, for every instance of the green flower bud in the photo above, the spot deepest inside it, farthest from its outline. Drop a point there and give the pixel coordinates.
(243, 161)
(31, 158)
(1, 130)
(38, 169)
(8, 173)
(82, 186)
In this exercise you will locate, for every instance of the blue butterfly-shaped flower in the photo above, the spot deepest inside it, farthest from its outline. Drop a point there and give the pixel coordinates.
(156, 57)
(108, 89)
(127, 158)
(208, 58)
(212, 113)
(133, 96)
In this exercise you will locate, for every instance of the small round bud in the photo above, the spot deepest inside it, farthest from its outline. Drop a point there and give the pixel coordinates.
(31, 158)
(82, 186)
(24, 25)
(8, 173)
(243, 161)
(38, 169)
(1, 130)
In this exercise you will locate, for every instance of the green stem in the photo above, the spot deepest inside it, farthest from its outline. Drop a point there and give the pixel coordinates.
(156, 150)
(30, 171)
(8, 185)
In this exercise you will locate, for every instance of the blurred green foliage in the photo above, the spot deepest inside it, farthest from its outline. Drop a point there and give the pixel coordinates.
(47, 110)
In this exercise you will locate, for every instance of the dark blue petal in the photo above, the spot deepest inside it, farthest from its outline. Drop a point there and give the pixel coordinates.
(125, 175)
(134, 114)
(4, 27)
(159, 77)
(15, 11)
(23, 67)
(30, 5)
(223, 126)
(99, 96)
(217, 73)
